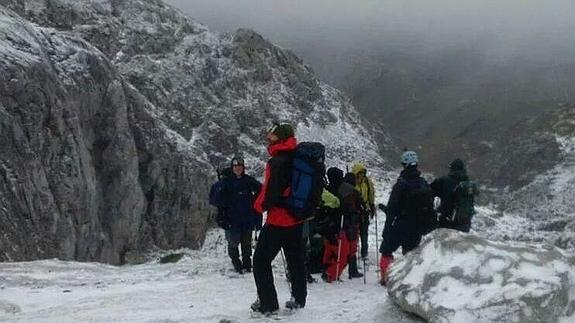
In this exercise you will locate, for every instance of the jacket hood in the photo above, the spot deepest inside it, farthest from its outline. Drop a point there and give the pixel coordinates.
(349, 178)
(410, 172)
(359, 167)
(288, 144)
(335, 177)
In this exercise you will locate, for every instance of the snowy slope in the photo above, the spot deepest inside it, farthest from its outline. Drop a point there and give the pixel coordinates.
(200, 288)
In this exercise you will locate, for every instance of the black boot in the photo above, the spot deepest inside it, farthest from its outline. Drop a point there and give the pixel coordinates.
(292, 304)
(247, 265)
(353, 273)
(310, 279)
(238, 267)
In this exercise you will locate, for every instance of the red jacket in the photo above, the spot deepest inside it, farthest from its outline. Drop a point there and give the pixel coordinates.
(276, 185)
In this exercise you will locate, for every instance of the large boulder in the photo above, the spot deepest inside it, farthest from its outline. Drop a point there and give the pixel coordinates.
(457, 277)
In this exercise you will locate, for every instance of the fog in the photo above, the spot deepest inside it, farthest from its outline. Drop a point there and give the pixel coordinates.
(506, 29)
(446, 76)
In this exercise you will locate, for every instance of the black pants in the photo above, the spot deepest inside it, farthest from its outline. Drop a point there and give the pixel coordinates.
(363, 229)
(464, 227)
(402, 234)
(245, 240)
(271, 240)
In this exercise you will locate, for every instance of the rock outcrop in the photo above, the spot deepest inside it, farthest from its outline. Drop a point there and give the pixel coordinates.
(218, 91)
(456, 277)
(86, 171)
(113, 112)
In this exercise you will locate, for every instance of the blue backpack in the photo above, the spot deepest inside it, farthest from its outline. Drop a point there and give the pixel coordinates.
(307, 179)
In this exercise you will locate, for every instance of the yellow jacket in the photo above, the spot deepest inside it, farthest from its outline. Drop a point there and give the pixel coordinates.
(365, 187)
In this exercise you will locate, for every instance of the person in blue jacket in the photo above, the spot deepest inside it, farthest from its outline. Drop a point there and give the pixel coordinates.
(234, 195)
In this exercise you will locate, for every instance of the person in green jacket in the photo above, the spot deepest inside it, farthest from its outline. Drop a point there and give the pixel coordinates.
(457, 193)
(365, 186)
(312, 237)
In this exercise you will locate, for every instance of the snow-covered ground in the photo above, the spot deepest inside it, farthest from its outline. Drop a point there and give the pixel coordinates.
(199, 288)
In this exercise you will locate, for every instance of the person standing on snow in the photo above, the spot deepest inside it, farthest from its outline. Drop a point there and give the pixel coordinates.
(342, 251)
(282, 229)
(457, 194)
(236, 215)
(324, 225)
(365, 186)
(410, 213)
(312, 230)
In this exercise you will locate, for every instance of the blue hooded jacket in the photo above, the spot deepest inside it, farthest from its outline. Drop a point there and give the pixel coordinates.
(234, 197)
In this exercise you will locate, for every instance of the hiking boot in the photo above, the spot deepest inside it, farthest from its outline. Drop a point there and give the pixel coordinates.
(293, 305)
(256, 307)
(247, 266)
(310, 279)
(384, 264)
(238, 266)
(382, 282)
(353, 272)
(356, 274)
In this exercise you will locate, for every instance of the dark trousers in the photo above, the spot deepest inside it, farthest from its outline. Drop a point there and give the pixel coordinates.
(245, 240)
(363, 229)
(464, 227)
(402, 234)
(271, 240)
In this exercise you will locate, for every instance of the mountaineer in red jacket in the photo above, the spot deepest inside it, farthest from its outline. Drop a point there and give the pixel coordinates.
(281, 230)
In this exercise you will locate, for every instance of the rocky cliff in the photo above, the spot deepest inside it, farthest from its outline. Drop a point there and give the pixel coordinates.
(86, 171)
(114, 111)
(218, 91)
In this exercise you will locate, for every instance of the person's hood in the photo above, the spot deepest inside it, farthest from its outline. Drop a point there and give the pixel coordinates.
(410, 172)
(335, 177)
(289, 144)
(357, 168)
(349, 178)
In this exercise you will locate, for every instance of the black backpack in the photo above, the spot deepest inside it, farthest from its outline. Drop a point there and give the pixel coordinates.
(464, 201)
(307, 179)
(419, 207)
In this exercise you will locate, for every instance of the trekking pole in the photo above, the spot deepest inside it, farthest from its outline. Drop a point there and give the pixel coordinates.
(339, 249)
(364, 273)
(376, 245)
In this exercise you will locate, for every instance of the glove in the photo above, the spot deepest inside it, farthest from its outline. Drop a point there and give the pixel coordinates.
(224, 224)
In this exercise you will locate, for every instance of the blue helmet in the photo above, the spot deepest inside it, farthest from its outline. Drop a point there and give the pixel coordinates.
(409, 158)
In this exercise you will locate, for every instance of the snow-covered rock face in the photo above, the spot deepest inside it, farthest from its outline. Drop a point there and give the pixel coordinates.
(138, 124)
(548, 203)
(456, 277)
(86, 171)
(219, 92)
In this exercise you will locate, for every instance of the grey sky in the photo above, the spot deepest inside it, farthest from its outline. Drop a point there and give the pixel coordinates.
(530, 29)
